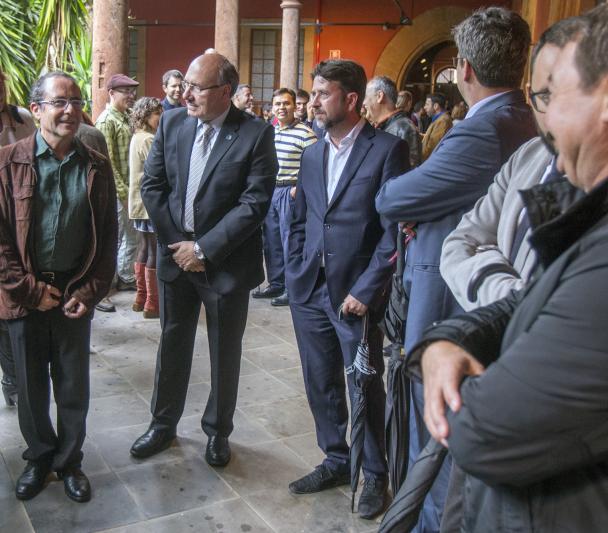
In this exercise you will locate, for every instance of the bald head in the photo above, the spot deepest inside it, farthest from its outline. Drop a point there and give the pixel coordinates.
(211, 81)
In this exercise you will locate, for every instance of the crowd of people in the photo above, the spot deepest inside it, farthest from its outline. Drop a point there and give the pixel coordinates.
(505, 201)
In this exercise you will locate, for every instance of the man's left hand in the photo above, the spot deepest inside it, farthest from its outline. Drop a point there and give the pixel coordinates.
(354, 306)
(74, 309)
(184, 257)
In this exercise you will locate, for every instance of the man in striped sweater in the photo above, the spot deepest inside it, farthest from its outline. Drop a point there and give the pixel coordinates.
(291, 138)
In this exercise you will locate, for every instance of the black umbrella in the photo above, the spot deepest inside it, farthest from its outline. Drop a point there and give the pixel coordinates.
(362, 374)
(398, 384)
(402, 515)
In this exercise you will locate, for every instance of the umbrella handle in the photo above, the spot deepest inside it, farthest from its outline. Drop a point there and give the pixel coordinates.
(365, 323)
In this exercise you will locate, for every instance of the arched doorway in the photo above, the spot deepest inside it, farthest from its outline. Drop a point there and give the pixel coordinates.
(430, 33)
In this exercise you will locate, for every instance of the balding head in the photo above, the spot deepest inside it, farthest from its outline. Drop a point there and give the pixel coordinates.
(211, 81)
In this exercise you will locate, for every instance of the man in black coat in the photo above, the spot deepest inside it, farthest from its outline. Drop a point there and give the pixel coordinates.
(528, 425)
(207, 186)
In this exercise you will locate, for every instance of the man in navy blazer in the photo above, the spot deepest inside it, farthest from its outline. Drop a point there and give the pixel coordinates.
(492, 51)
(207, 185)
(340, 253)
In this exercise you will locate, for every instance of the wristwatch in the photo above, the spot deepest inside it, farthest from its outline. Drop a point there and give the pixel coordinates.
(198, 253)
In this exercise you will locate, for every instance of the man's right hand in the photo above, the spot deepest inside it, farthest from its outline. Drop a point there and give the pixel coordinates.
(51, 297)
(444, 366)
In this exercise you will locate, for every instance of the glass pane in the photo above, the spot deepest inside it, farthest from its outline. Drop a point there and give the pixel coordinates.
(269, 80)
(257, 80)
(267, 95)
(257, 66)
(270, 37)
(269, 67)
(269, 52)
(258, 37)
(257, 52)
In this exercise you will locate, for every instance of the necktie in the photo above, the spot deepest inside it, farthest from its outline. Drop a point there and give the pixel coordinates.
(198, 160)
(524, 225)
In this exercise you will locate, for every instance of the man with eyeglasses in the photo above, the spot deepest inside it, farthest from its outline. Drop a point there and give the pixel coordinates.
(207, 186)
(114, 124)
(58, 248)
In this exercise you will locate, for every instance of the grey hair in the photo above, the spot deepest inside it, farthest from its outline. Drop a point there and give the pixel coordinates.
(171, 74)
(242, 86)
(387, 86)
(495, 42)
(591, 56)
(228, 75)
(38, 89)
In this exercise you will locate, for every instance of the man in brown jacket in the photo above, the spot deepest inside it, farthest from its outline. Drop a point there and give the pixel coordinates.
(441, 123)
(57, 260)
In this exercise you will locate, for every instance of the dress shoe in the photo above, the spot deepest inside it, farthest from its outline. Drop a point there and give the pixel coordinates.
(152, 442)
(218, 451)
(280, 301)
(31, 482)
(268, 292)
(373, 498)
(106, 306)
(321, 478)
(9, 389)
(76, 484)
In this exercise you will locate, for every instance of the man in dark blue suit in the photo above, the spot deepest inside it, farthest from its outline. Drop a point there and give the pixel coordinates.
(207, 185)
(492, 52)
(339, 255)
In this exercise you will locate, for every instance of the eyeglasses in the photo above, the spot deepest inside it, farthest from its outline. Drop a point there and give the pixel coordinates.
(64, 103)
(455, 61)
(540, 99)
(196, 89)
(123, 90)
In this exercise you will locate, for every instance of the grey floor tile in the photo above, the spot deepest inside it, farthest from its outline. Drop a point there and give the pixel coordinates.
(233, 516)
(264, 314)
(111, 506)
(161, 489)
(284, 332)
(13, 517)
(284, 418)
(306, 447)
(258, 388)
(255, 468)
(326, 512)
(256, 337)
(274, 357)
(292, 377)
(117, 411)
(10, 434)
(139, 376)
(107, 382)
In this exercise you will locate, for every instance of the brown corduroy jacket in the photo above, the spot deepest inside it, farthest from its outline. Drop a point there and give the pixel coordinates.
(20, 291)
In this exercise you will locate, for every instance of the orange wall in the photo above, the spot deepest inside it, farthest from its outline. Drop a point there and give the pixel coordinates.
(173, 46)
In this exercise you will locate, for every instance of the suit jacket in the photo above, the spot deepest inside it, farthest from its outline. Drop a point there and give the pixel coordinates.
(355, 242)
(232, 200)
(493, 223)
(437, 193)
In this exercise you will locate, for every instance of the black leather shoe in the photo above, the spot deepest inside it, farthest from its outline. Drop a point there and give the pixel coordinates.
(76, 484)
(373, 498)
(106, 306)
(218, 451)
(31, 481)
(268, 292)
(321, 478)
(152, 442)
(9, 389)
(280, 301)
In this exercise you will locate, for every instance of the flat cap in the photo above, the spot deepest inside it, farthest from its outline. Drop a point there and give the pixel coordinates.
(120, 80)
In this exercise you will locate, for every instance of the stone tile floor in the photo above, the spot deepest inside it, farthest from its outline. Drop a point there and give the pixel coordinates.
(176, 491)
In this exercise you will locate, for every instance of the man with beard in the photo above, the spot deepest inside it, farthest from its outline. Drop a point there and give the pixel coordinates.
(488, 254)
(172, 87)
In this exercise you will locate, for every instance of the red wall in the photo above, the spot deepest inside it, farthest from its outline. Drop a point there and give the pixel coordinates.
(173, 46)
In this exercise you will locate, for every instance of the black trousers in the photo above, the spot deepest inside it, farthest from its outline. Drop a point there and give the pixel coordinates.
(50, 345)
(7, 362)
(180, 304)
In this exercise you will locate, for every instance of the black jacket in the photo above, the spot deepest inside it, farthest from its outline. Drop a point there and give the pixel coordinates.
(532, 434)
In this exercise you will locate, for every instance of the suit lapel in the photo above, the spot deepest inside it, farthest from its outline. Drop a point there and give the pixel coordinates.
(359, 150)
(226, 136)
(187, 132)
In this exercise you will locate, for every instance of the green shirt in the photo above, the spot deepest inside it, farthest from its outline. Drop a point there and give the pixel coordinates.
(116, 129)
(62, 214)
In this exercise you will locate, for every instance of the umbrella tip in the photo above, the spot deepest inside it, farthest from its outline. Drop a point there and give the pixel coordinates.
(352, 503)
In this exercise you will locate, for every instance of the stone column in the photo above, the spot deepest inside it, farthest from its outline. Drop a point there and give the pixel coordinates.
(227, 29)
(110, 47)
(290, 42)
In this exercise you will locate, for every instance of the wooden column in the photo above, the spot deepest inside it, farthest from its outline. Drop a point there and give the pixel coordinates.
(290, 43)
(227, 29)
(110, 47)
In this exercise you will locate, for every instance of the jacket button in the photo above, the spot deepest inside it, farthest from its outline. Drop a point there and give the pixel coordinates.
(327, 226)
(318, 254)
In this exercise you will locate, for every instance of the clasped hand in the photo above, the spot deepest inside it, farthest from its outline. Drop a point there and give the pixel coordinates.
(183, 255)
(444, 366)
(51, 298)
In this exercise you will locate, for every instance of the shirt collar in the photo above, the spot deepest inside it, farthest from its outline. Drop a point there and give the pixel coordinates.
(217, 122)
(350, 138)
(475, 108)
(278, 127)
(44, 150)
(119, 114)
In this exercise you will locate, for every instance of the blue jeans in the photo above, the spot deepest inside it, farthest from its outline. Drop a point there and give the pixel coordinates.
(276, 234)
(127, 245)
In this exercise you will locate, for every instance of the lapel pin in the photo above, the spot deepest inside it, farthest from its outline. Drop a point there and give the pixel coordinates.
(229, 137)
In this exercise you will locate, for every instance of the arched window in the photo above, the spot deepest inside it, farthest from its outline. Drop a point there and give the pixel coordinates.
(447, 75)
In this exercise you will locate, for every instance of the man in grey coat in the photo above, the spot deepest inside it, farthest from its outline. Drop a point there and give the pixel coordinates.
(488, 254)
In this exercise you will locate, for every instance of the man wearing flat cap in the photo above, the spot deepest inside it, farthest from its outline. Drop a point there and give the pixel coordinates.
(114, 124)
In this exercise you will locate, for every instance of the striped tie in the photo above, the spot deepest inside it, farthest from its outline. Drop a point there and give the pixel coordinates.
(198, 160)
